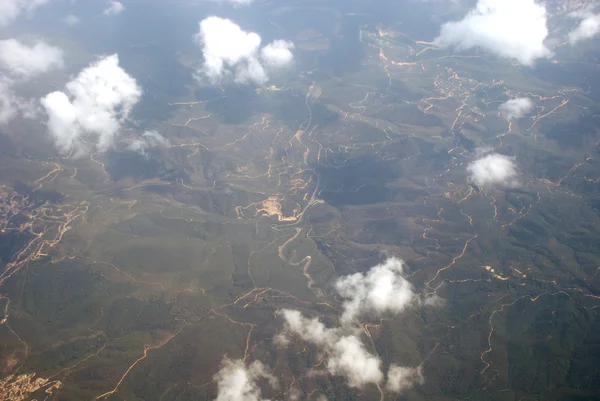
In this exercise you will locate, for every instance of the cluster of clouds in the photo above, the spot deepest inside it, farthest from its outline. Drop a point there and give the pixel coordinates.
(93, 107)
(231, 52)
(346, 354)
(512, 29)
(493, 169)
(382, 290)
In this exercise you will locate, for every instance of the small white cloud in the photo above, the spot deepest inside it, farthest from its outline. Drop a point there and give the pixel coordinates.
(11, 9)
(26, 61)
(236, 2)
(587, 28)
(238, 382)
(277, 53)
(229, 51)
(149, 139)
(516, 108)
(114, 8)
(382, 289)
(71, 20)
(402, 378)
(345, 353)
(96, 102)
(511, 29)
(493, 169)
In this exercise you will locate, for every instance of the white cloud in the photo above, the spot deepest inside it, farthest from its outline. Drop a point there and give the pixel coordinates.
(516, 108)
(229, 51)
(236, 2)
(238, 382)
(8, 102)
(96, 102)
(402, 378)
(493, 169)
(277, 53)
(11, 9)
(19, 62)
(587, 28)
(382, 289)
(511, 29)
(71, 20)
(149, 139)
(346, 355)
(12, 105)
(114, 8)
(27, 61)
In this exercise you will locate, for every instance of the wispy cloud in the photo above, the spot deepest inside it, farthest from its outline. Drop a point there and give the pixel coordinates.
(11, 9)
(114, 8)
(148, 140)
(587, 28)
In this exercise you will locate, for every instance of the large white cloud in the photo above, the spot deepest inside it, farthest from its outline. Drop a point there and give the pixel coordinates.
(511, 29)
(114, 8)
(493, 169)
(11, 9)
(237, 381)
(95, 103)
(587, 28)
(26, 61)
(516, 108)
(382, 289)
(229, 51)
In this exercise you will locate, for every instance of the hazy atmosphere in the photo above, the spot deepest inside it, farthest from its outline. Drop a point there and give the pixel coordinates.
(254, 200)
